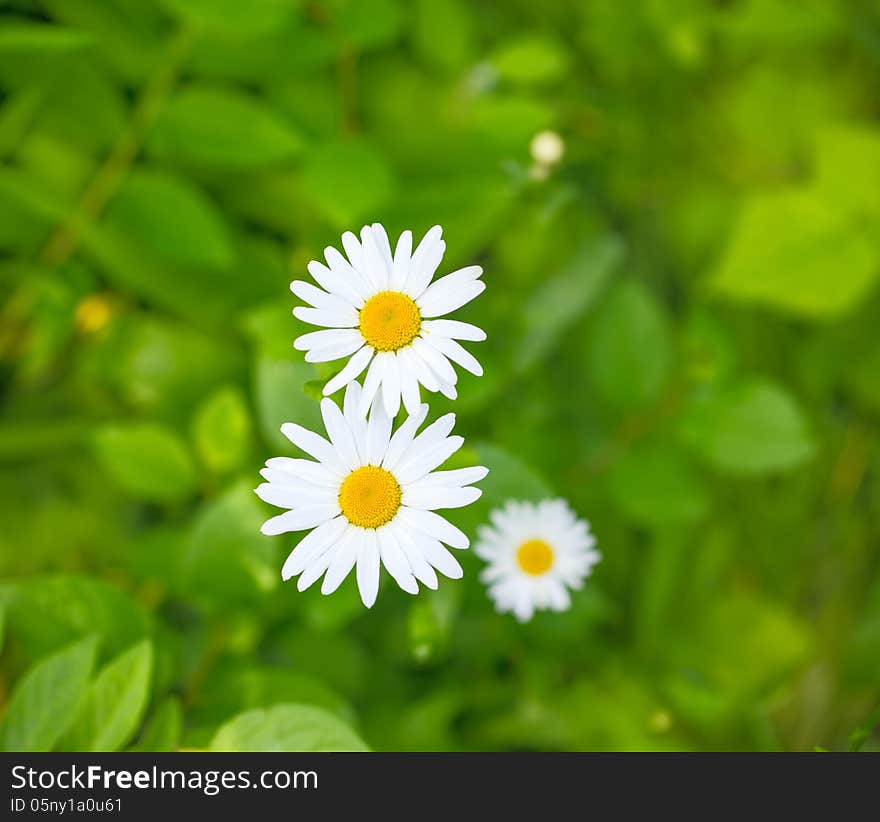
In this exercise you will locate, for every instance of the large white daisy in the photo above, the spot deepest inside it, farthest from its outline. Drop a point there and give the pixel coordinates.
(370, 495)
(536, 552)
(381, 311)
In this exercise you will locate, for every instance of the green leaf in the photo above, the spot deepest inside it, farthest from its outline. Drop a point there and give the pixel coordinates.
(114, 703)
(559, 301)
(531, 60)
(364, 25)
(223, 429)
(654, 485)
(755, 428)
(848, 168)
(799, 252)
(227, 560)
(216, 127)
(443, 33)
(44, 702)
(148, 460)
(40, 39)
(281, 397)
(630, 349)
(232, 16)
(173, 219)
(346, 181)
(287, 727)
(163, 729)
(46, 613)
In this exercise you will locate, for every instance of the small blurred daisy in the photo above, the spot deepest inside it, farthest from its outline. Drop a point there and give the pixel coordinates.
(369, 496)
(536, 552)
(380, 310)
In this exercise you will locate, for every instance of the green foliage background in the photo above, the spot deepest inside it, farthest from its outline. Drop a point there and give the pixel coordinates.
(683, 341)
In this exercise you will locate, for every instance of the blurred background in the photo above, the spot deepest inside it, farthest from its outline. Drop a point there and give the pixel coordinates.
(677, 207)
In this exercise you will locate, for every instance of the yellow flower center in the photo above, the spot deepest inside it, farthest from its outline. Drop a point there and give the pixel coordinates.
(535, 557)
(369, 496)
(390, 320)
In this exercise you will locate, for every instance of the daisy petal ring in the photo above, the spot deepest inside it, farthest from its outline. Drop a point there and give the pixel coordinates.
(369, 496)
(535, 552)
(381, 311)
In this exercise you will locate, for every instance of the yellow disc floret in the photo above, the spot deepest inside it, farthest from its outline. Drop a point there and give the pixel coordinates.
(369, 497)
(390, 320)
(535, 557)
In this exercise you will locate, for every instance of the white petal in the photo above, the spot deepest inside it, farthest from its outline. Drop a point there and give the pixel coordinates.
(434, 455)
(409, 386)
(436, 361)
(430, 499)
(402, 257)
(371, 384)
(312, 545)
(341, 348)
(403, 437)
(355, 253)
(304, 470)
(284, 495)
(339, 433)
(368, 567)
(391, 385)
(447, 298)
(395, 561)
(453, 329)
(433, 525)
(438, 556)
(446, 287)
(346, 272)
(452, 479)
(351, 371)
(378, 435)
(448, 391)
(381, 238)
(457, 354)
(299, 520)
(318, 298)
(421, 568)
(414, 363)
(335, 283)
(314, 445)
(328, 319)
(326, 337)
(376, 268)
(342, 562)
(425, 260)
(315, 569)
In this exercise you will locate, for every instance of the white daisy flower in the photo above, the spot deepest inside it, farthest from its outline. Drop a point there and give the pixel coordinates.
(381, 311)
(536, 552)
(370, 495)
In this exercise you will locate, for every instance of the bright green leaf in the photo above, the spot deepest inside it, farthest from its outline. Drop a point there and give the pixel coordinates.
(163, 729)
(223, 429)
(233, 16)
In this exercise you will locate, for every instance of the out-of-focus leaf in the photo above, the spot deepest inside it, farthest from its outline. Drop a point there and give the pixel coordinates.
(281, 397)
(38, 38)
(148, 460)
(232, 16)
(630, 348)
(290, 727)
(798, 252)
(443, 33)
(45, 701)
(173, 219)
(163, 729)
(364, 25)
(114, 703)
(654, 485)
(216, 127)
(754, 428)
(560, 300)
(227, 561)
(223, 429)
(531, 60)
(848, 168)
(46, 613)
(347, 181)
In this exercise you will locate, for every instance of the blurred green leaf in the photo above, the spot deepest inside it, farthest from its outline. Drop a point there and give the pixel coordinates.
(46, 613)
(45, 701)
(753, 428)
(232, 16)
(534, 59)
(347, 181)
(281, 397)
(173, 219)
(294, 728)
(216, 127)
(223, 429)
(797, 251)
(148, 460)
(630, 351)
(163, 729)
(38, 38)
(443, 33)
(114, 703)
